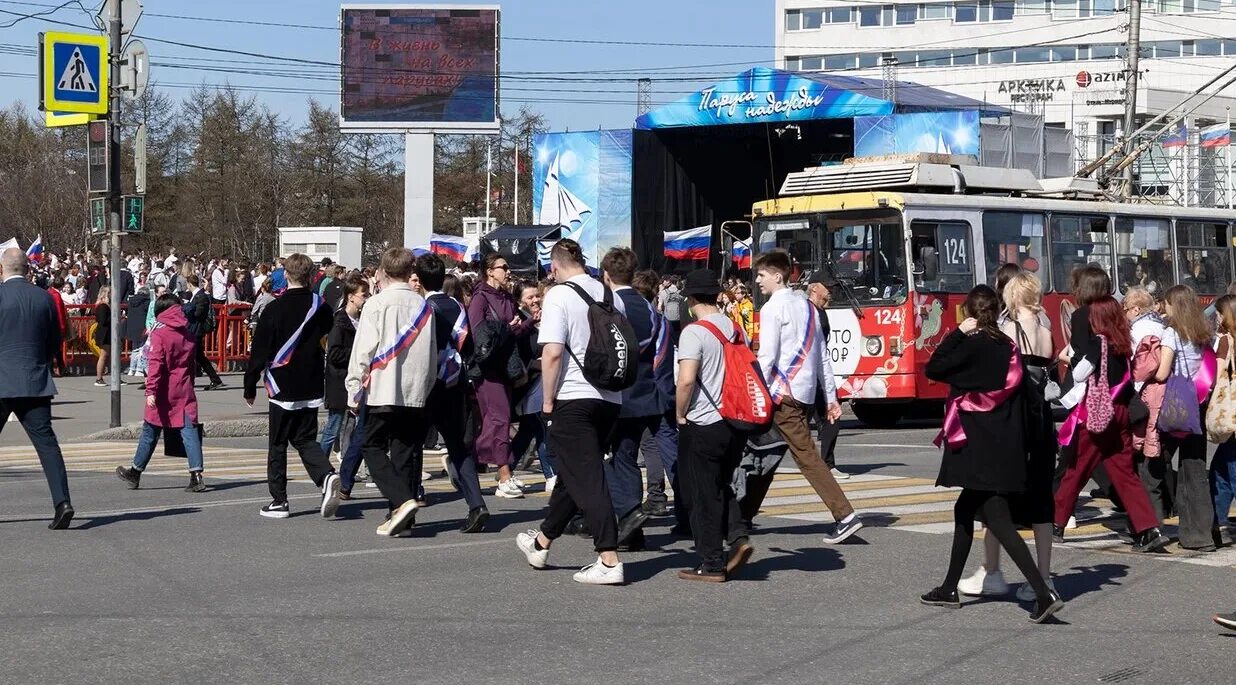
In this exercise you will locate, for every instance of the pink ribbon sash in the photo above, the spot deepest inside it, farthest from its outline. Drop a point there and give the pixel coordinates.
(953, 434)
(1205, 378)
(1077, 417)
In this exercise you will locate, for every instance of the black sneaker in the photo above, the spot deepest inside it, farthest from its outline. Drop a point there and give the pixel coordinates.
(1057, 534)
(195, 482)
(213, 386)
(275, 510)
(629, 524)
(129, 475)
(476, 521)
(1150, 541)
(1045, 608)
(1226, 620)
(939, 598)
(843, 530)
(655, 508)
(330, 495)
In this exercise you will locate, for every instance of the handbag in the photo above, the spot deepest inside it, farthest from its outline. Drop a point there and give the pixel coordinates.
(174, 444)
(1221, 414)
(1099, 395)
(1180, 412)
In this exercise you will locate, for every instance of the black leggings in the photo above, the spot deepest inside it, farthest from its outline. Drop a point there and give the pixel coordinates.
(995, 508)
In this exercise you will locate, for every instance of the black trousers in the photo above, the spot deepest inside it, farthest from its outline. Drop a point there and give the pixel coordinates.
(203, 363)
(34, 413)
(578, 433)
(299, 428)
(999, 520)
(1194, 504)
(707, 457)
(447, 409)
(397, 432)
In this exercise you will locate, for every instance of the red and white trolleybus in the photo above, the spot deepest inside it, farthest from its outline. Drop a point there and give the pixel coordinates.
(906, 240)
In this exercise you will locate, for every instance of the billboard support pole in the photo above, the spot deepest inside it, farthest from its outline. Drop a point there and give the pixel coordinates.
(417, 188)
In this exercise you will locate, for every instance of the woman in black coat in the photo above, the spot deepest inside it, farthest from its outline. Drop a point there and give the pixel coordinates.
(985, 446)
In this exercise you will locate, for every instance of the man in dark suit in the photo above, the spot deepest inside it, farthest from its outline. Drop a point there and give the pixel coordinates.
(29, 342)
(643, 408)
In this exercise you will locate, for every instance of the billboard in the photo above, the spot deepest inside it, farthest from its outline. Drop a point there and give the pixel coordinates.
(432, 67)
(953, 133)
(582, 182)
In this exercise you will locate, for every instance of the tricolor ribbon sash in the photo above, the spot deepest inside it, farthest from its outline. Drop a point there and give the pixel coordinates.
(953, 434)
(404, 340)
(450, 364)
(781, 379)
(284, 355)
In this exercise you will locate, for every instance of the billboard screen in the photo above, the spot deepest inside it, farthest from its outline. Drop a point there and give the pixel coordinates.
(407, 67)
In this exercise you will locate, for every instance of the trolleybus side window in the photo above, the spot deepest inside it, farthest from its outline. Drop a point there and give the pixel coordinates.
(1078, 240)
(942, 256)
(1203, 256)
(1144, 254)
(1013, 238)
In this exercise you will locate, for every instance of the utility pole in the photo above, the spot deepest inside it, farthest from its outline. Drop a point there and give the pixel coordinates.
(114, 196)
(1132, 48)
(643, 96)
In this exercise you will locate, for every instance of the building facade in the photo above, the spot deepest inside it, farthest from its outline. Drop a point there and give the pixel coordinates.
(1062, 59)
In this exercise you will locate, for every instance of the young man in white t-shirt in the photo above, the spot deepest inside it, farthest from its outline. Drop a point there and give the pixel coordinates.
(579, 417)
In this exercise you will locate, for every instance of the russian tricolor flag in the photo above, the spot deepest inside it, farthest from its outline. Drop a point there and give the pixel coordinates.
(1179, 137)
(34, 253)
(419, 250)
(691, 244)
(449, 246)
(742, 254)
(1218, 135)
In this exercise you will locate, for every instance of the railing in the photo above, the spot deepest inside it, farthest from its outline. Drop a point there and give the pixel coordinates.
(227, 347)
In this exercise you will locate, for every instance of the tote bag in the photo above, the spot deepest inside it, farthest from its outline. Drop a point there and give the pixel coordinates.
(1221, 414)
(1180, 412)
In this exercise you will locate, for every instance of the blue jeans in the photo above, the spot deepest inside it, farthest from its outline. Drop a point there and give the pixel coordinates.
(1223, 479)
(352, 455)
(150, 439)
(532, 428)
(330, 432)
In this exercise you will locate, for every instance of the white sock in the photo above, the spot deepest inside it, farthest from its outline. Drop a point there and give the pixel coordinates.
(853, 515)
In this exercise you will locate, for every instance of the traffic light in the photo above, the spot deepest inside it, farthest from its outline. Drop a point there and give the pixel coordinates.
(134, 209)
(98, 216)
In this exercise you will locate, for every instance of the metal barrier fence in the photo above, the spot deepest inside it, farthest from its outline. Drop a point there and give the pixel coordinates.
(227, 347)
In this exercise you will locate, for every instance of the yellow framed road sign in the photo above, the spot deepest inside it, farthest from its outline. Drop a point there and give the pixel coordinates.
(55, 119)
(73, 72)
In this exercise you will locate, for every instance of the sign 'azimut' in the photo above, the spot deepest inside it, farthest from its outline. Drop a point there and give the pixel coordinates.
(727, 104)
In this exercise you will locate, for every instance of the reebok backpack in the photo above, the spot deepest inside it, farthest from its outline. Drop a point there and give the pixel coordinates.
(611, 360)
(745, 403)
(673, 306)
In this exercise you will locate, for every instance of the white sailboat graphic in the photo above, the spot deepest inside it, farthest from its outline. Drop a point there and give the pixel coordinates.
(560, 207)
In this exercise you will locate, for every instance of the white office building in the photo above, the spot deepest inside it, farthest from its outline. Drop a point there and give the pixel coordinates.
(1063, 59)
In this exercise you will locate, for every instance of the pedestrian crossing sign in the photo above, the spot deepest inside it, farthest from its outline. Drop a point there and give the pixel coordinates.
(73, 72)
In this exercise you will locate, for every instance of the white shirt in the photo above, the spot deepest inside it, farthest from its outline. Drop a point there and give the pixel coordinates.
(791, 349)
(218, 284)
(1188, 360)
(564, 320)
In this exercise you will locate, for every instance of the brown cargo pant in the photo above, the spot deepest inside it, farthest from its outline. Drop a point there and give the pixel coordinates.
(790, 417)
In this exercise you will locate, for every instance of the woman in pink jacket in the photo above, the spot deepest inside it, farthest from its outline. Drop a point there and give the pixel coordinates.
(170, 400)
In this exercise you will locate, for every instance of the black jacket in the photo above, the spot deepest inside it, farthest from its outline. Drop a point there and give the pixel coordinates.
(197, 311)
(338, 354)
(446, 312)
(641, 399)
(135, 317)
(333, 294)
(303, 378)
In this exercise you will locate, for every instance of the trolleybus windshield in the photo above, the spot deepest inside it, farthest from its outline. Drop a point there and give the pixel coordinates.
(863, 251)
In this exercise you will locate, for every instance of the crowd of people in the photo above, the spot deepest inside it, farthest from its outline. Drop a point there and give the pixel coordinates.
(598, 368)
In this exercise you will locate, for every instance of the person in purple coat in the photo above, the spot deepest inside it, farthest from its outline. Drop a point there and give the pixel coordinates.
(171, 402)
(492, 300)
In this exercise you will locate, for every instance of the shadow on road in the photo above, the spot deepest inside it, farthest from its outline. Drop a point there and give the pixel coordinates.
(98, 521)
(1083, 579)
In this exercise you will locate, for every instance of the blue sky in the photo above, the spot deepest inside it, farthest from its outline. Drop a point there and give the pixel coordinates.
(574, 105)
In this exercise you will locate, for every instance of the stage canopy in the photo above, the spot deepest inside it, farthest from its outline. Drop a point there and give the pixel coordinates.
(519, 245)
(764, 95)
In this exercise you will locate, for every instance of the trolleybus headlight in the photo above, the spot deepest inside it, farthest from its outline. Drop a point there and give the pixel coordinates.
(874, 347)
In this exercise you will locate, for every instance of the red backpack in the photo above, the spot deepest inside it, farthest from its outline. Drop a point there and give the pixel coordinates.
(745, 403)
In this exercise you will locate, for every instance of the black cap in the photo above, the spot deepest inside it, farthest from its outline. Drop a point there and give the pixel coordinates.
(701, 283)
(823, 277)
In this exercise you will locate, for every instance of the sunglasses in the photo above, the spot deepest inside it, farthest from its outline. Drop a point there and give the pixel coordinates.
(504, 267)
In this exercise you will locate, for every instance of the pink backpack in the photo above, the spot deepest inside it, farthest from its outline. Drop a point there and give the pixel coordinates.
(1099, 395)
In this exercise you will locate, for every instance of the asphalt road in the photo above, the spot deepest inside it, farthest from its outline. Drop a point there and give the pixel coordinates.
(159, 586)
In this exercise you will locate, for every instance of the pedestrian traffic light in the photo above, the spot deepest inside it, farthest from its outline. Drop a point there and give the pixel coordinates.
(134, 209)
(98, 216)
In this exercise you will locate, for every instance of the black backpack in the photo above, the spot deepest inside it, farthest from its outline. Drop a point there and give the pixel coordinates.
(611, 360)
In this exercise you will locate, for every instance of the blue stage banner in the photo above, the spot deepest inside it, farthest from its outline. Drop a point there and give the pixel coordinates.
(582, 182)
(954, 133)
(764, 95)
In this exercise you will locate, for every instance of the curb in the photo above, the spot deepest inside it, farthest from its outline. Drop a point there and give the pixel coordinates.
(219, 428)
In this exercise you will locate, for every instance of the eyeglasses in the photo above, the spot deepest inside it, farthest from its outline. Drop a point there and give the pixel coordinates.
(504, 267)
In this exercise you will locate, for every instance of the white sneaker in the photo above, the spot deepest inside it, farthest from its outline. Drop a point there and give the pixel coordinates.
(518, 483)
(550, 483)
(508, 490)
(984, 584)
(597, 573)
(1025, 593)
(840, 475)
(526, 542)
(425, 475)
(1071, 524)
(401, 519)
(330, 495)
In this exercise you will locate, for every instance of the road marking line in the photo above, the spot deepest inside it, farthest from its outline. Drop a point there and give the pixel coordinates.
(417, 548)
